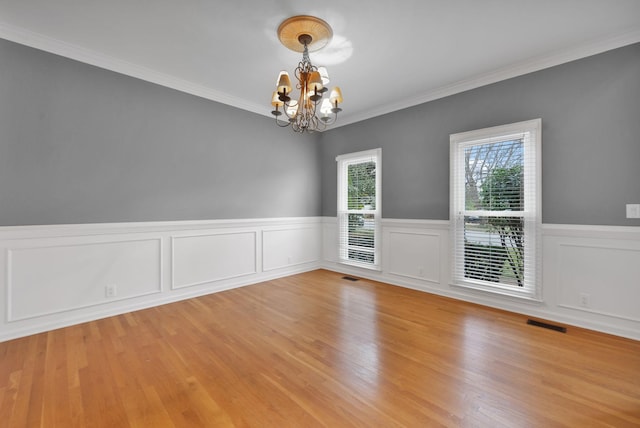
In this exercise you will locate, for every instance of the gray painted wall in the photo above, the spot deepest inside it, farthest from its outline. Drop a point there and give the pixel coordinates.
(590, 112)
(79, 144)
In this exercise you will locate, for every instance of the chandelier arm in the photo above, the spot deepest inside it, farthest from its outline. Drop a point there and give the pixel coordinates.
(331, 119)
(285, 109)
(282, 124)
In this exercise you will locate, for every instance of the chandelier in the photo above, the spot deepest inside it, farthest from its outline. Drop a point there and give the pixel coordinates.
(311, 110)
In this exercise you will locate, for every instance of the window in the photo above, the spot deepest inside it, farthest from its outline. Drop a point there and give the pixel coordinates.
(495, 208)
(359, 199)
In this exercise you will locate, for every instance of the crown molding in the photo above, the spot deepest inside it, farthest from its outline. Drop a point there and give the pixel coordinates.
(48, 44)
(88, 56)
(514, 70)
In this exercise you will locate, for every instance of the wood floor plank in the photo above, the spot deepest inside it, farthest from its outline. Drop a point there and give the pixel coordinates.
(314, 350)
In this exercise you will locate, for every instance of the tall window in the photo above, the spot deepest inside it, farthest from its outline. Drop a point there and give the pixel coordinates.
(495, 208)
(359, 199)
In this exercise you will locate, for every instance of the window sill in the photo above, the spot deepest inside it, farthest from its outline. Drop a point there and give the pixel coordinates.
(523, 295)
(361, 265)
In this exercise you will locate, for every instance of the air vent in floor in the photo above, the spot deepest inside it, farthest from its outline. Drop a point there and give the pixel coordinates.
(547, 325)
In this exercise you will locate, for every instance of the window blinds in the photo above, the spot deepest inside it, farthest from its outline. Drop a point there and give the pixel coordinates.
(495, 208)
(359, 181)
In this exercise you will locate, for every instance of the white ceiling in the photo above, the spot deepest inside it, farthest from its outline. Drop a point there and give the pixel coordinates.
(385, 55)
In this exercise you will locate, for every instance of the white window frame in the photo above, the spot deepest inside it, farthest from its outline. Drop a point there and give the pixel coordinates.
(343, 162)
(531, 132)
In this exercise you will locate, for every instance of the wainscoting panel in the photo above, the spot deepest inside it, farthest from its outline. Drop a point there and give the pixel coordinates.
(413, 254)
(57, 278)
(201, 259)
(289, 247)
(330, 241)
(603, 278)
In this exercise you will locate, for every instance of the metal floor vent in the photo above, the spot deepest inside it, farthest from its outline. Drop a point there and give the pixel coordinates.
(547, 325)
(350, 278)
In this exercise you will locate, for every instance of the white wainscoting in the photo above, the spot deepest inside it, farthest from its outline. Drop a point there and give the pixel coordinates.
(598, 263)
(53, 276)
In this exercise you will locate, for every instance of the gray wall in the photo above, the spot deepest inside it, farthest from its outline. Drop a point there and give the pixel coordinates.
(590, 112)
(79, 144)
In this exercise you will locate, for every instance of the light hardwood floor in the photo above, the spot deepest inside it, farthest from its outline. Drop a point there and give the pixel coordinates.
(317, 350)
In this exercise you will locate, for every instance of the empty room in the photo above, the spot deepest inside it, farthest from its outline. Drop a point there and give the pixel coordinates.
(301, 214)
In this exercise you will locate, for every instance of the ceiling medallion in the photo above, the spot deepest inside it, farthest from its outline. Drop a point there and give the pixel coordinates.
(311, 111)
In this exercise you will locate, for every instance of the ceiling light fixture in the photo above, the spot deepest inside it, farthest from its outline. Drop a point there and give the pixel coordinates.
(311, 111)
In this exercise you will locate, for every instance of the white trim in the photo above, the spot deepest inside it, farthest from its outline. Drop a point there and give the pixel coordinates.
(427, 224)
(604, 313)
(500, 290)
(373, 153)
(81, 229)
(496, 133)
(592, 231)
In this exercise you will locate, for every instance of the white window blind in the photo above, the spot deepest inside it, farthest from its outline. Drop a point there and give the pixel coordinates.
(359, 182)
(495, 208)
